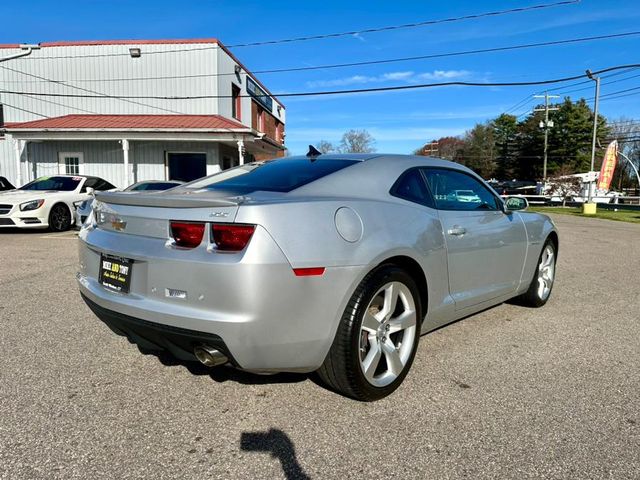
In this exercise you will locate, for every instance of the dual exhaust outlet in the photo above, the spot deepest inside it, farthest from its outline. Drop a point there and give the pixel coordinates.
(209, 356)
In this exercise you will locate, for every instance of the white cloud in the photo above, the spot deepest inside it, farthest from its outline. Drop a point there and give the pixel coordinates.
(359, 37)
(443, 74)
(403, 76)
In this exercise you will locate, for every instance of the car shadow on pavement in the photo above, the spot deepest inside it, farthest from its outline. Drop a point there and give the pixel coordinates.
(227, 374)
(278, 445)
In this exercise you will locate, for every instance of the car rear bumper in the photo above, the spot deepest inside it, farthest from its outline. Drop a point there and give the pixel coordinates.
(267, 318)
(180, 342)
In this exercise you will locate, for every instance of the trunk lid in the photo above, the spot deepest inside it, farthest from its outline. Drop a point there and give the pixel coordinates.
(149, 214)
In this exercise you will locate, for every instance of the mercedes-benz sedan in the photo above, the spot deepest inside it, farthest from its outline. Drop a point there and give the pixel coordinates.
(334, 263)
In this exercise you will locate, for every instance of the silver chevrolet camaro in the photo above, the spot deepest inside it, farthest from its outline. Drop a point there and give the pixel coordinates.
(327, 263)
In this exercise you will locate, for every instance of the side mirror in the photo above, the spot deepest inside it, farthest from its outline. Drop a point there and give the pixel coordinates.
(91, 191)
(512, 204)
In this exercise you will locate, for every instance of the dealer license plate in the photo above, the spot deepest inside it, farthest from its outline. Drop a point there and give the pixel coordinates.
(115, 273)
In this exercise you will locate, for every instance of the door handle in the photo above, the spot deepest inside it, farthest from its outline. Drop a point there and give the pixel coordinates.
(457, 231)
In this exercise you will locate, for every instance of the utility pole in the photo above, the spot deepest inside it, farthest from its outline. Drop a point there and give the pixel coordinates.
(546, 125)
(595, 127)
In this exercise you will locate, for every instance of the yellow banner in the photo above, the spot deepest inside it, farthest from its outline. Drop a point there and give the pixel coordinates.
(608, 166)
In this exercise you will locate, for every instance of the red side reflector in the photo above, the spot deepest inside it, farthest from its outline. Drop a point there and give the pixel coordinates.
(187, 235)
(231, 237)
(308, 272)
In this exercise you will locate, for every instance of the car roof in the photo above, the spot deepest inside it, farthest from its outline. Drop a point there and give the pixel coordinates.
(371, 174)
(361, 157)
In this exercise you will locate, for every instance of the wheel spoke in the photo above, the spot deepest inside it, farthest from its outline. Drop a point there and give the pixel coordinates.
(403, 321)
(394, 363)
(390, 299)
(371, 361)
(370, 323)
(541, 286)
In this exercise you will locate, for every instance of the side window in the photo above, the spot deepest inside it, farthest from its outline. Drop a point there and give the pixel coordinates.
(102, 185)
(410, 186)
(88, 183)
(454, 190)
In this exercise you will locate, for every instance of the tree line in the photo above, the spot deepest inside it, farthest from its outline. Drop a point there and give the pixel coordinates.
(509, 148)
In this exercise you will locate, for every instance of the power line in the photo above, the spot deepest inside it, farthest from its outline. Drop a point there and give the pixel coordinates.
(339, 34)
(60, 104)
(373, 62)
(530, 98)
(337, 92)
(70, 85)
(24, 110)
(406, 25)
(621, 96)
(525, 101)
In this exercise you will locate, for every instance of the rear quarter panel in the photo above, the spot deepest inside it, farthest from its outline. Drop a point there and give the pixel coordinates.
(307, 234)
(539, 227)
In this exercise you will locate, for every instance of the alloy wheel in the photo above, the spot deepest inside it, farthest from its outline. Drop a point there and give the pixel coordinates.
(387, 334)
(546, 272)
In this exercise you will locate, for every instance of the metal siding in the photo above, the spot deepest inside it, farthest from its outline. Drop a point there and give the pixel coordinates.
(105, 159)
(7, 160)
(92, 73)
(102, 159)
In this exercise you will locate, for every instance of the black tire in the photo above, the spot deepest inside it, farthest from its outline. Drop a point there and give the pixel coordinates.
(341, 370)
(59, 218)
(532, 298)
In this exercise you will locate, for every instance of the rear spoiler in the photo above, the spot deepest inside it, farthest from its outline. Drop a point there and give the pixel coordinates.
(182, 199)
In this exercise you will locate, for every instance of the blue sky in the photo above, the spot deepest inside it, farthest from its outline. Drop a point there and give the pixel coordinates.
(400, 121)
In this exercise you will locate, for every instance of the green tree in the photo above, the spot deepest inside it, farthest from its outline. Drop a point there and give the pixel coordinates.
(571, 137)
(478, 152)
(505, 134)
(569, 140)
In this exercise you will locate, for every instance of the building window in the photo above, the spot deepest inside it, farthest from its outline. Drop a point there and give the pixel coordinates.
(70, 163)
(236, 103)
(260, 119)
(279, 132)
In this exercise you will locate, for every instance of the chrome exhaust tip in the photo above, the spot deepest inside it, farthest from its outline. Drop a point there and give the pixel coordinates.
(209, 356)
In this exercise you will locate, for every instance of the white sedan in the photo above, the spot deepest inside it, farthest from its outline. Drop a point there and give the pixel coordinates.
(48, 201)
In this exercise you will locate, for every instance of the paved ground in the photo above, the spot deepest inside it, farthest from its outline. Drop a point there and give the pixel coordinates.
(509, 393)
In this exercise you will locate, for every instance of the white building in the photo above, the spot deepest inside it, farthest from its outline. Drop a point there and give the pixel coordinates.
(133, 110)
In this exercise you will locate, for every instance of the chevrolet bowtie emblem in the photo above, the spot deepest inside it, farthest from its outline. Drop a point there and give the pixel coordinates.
(118, 224)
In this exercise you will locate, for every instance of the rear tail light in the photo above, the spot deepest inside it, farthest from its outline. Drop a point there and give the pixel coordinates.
(308, 272)
(231, 237)
(187, 235)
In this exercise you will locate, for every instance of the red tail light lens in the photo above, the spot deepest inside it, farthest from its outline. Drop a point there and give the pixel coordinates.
(231, 237)
(187, 235)
(308, 272)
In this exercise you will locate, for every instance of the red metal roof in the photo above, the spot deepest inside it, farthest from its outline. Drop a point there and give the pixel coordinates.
(130, 122)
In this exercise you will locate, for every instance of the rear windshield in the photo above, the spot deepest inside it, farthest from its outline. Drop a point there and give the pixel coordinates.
(157, 186)
(64, 184)
(274, 176)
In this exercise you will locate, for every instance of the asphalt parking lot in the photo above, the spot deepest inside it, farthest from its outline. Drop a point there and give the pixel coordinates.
(508, 393)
